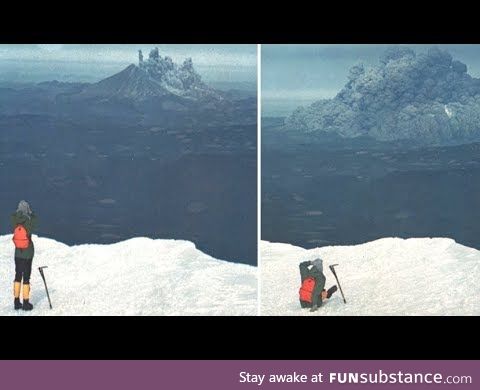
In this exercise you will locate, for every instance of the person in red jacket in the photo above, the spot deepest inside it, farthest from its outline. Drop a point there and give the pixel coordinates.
(312, 292)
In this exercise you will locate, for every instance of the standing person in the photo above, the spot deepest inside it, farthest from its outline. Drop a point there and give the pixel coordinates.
(312, 292)
(24, 223)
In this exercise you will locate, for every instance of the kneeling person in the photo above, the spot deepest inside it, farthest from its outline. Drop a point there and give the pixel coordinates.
(312, 292)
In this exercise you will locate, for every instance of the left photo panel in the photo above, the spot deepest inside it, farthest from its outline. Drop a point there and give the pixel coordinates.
(129, 179)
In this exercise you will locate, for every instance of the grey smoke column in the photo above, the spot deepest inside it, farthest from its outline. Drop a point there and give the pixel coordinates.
(427, 97)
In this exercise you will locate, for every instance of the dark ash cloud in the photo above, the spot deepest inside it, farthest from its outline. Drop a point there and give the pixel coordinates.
(427, 97)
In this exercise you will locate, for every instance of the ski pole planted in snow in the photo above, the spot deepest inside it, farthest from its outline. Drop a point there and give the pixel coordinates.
(332, 268)
(45, 283)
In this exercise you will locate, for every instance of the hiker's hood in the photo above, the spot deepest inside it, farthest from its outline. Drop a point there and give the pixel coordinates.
(24, 208)
(318, 264)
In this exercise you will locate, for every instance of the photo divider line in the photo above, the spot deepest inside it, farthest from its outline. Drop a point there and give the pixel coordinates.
(259, 172)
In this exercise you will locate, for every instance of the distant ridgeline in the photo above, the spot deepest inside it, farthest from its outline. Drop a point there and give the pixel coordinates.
(428, 98)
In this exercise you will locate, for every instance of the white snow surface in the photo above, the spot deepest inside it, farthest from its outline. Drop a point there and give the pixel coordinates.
(139, 276)
(389, 276)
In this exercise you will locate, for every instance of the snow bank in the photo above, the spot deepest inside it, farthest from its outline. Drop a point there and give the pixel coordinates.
(390, 276)
(139, 276)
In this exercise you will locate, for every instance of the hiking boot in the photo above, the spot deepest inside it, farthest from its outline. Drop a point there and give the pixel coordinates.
(26, 297)
(27, 306)
(331, 290)
(17, 286)
(17, 304)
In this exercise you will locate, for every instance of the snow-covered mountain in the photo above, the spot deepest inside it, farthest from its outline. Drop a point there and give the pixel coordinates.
(389, 276)
(152, 78)
(131, 82)
(139, 276)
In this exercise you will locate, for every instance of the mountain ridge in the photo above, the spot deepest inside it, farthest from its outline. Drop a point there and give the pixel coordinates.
(156, 77)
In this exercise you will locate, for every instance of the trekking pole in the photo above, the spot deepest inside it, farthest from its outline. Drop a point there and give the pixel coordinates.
(335, 274)
(45, 283)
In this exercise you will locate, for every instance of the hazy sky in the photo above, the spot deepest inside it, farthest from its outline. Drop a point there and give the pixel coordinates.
(73, 62)
(294, 75)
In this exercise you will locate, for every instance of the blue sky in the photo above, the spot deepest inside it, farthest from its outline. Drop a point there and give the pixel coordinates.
(294, 75)
(75, 62)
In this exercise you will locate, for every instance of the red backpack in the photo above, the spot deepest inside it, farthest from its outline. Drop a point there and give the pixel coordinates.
(20, 237)
(306, 291)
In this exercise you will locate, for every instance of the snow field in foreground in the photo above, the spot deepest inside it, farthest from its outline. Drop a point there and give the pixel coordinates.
(389, 276)
(140, 276)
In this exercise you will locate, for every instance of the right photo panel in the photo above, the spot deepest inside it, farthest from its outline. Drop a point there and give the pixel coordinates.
(370, 180)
